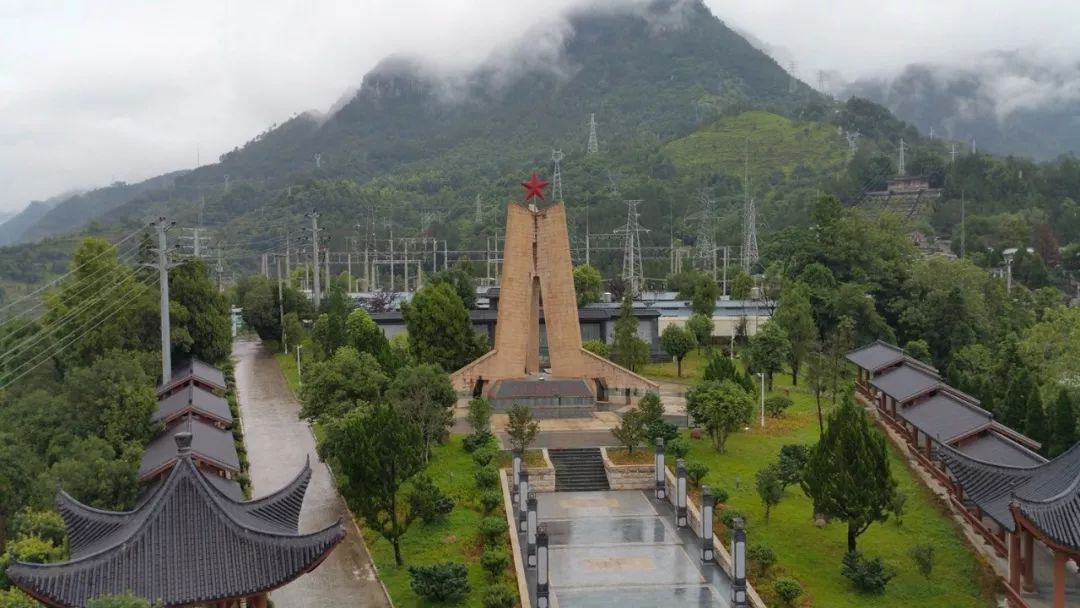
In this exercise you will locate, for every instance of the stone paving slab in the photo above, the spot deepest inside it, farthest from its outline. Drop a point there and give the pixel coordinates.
(646, 597)
(617, 531)
(577, 505)
(622, 564)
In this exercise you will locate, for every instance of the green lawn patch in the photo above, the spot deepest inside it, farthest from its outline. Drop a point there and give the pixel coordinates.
(639, 456)
(454, 539)
(812, 555)
(287, 363)
(534, 459)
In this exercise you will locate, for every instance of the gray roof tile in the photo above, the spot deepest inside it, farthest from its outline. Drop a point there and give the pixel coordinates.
(209, 444)
(187, 544)
(906, 381)
(194, 369)
(193, 399)
(946, 416)
(875, 356)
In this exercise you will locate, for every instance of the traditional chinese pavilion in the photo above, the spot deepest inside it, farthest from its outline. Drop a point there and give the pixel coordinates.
(186, 544)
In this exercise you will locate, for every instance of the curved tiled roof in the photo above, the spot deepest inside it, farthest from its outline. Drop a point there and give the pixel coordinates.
(875, 356)
(194, 369)
(1048, 490)
(946, 416)
(188, 543)
(192, 398)
(209, 444)
(906, 381)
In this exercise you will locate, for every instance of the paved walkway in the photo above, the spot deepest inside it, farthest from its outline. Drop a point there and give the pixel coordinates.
(622, 549)
(277, 442)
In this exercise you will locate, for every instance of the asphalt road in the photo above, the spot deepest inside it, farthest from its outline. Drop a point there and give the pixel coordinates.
(277, 442)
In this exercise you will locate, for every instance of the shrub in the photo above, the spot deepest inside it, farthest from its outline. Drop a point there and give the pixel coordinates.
(479, 416)
(440, 582)
(868, 575)
(484, 455)
(494, 561)
(477, 440)
(678, 448)
(487, 477)
(597, 347)
(787, 589)
(728, 518)
(46, 524)
(923, 555)
(499, 596)
(721, 495)
(428, 502)
(763, 558)
(695, 472)
(792, 462)
(492, 530)
(776, 405)
(655, 429)
(899, 500)
(490, 501)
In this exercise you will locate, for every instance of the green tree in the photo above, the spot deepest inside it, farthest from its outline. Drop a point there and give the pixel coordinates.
(440, 332)
(770, 488)
(818, 379)
(721, 407)
(521, 428)
(920, 350)
(631, 431)
(677, 342)
(706, 291)
(587, 285)
(340, 384)
(365, 336)
(795, 315)
(742, 284)
(702, 328)
(462, 282)
(1013, 410)
(768, 350)
(792, 463)
(374, 453)
(597, 347)
(847, 475)
(1035, 418)
(15, 598)
(1063, 433)
(629, 350)
(16, 474)
(424, 395)
(294, 329)
(202, 314)
(329, 334)
(92, 471)
(115, 397)
(479, 415)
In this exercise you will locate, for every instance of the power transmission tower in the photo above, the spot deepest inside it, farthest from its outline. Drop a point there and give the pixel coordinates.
(633, 273)
(902, 168)
(196, 241)
(793, 84)
(952, 154)
(318, 161)
(479, 209)
(316, 293)
(706, 243)
(556, 180)
(162, 225)
(852, 142)
(974, 150)
(594, 142)
(750, 244)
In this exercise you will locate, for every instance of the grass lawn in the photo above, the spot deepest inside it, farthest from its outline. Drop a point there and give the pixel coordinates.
(287, 363)
(692, 366)
(639, 456)
(812, 555)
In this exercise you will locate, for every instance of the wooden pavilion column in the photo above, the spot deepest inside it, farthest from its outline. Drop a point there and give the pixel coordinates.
(260, 601)
(1029, 560)
(1014, 561)
(929, 446)
(1059, 579)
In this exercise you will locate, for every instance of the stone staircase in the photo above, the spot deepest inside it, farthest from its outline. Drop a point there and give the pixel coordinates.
(578, 470)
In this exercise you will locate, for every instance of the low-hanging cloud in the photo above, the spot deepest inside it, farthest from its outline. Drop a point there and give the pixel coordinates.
(123, 89)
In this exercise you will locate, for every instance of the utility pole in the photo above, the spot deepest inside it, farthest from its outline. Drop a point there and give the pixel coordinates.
(953, 153)
(326, 256)
(350, 242)
(406, 260)
(479, 209)
(317, 293)
(162, 225)
(281, 307)
(196, 241)
(963, 224)
(902, 168)
(220, 270)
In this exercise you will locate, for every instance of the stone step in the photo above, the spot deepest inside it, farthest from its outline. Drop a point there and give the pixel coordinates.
(579, 469)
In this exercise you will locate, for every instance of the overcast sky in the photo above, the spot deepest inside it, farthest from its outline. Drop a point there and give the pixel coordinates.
(93, 91)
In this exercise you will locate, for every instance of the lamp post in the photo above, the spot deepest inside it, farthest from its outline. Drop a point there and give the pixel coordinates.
(738, 564)
(523, 495)
(707, 504)
(762, 374)
(661, 486)
(542, 568)
(530, 530)
(680, 493)
(516, 479)
(299, 377)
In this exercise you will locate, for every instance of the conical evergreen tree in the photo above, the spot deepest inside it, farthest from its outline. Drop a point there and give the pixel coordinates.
(1063, 433)
(1035, 419)
(847, 475)
(1012, 411)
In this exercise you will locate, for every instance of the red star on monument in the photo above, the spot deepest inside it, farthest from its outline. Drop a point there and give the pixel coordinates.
(534, 188)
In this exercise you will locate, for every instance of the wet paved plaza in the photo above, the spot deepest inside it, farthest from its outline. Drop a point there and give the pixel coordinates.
(622, 549)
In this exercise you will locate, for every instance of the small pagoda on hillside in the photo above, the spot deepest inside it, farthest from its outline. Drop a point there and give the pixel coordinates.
(188, 543)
